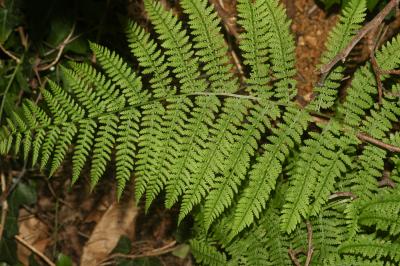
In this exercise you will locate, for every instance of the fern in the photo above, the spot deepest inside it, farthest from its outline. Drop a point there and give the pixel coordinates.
(206, 254)
(349, 23)
(235, 152)
(264, 173)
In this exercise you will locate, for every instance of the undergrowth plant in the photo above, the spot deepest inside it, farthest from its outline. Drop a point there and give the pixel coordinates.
(268, 182)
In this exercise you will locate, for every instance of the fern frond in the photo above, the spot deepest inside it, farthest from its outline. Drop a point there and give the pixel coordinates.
(217, 150)
(260, 247)
(350, 22)
(66, 103)
(254, 44)
(211, 50)
(172, 130)
(68, 132)
(383, 211)
(329, 232)
(83, 146)
(151, 135)
(363, 88)
(178, 48)
(128, 134)
(102, 148)
(151, 59)
(235, 167)
(354, 261)
(282, 51)
(371, 161)
(206, 254)
(210, 45)
(120, 73)
(150, 145)
(110, 96)
(185, 67)
(319, 160)
(86, 95)
(268, 167)
(369, 247)
(48, 145)
(194, 138)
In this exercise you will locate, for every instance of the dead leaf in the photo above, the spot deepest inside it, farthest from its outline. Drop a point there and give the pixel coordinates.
(34, 232)
(118, 220)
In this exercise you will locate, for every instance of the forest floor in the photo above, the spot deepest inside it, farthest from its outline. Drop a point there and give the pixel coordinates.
(82, 224)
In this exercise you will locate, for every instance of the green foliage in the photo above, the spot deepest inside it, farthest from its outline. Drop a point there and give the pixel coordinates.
(259, 174)
(371, 4)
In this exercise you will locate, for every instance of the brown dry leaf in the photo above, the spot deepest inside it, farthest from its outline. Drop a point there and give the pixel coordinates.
(34, 232)
(118, 220)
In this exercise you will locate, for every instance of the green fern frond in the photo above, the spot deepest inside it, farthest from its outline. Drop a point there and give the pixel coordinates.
(211, 50)
(383, 211)
(369, 247)
(329, 232)
(210, 45)
(282, 51)
(363, 88)
(254, 44)
(217, 150)
(350, 22)
(195, 135)
(371, 161)
(206, 254)
(355, 261)
(320, 160)
(83, 147)
(68, 132)
(235, 167)
(172, 130)
(102, 147)
(109, 96)
(120, 73)
(150, 145)
(150, 140)
(151, 59)
(255, 170)
(268, 167)
(127, 137)
(178, 48)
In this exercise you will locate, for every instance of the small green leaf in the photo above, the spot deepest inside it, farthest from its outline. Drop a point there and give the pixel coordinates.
(63, 260)
(124, 245)
(181, 251)
(8, 251)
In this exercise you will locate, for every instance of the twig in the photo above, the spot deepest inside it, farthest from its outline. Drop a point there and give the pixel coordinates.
(391, 72)
(9, 189)
(377, 74)
(342, 194)
(372, 45)
(293, 257)
(386, 180)
(152, 253)
(61, 48)
(380, 144)
(227, 18)
(310, 249)
(342, 55)
(34, 250)
(10, 54)
(362, 136)
(4, 205)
